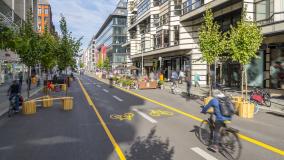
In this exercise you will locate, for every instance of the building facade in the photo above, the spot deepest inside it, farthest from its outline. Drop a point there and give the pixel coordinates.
(163, 36)
(112, 35)
(44, 17)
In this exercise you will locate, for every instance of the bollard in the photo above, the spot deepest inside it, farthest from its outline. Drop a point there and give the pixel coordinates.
(67, 103)
(47, 102)
(246, 109)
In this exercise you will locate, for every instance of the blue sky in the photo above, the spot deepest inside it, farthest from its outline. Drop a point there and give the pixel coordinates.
(84, 17)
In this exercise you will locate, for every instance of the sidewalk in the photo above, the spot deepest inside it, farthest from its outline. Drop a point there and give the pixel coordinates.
(4, 101)
(277, 96)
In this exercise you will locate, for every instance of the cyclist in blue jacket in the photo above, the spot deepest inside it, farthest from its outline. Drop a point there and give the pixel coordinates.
(219, 119)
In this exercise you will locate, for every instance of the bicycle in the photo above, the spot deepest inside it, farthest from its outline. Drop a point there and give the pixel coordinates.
(12, 105)
(261, 96)
(229, 145)
(174, 88)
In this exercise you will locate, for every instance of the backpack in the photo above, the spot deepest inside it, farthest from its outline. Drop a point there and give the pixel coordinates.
(226, 107)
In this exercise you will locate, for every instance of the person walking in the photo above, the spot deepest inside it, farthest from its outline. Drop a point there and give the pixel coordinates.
(174, 77)
(188, 84)
(181, 76)
(196, 80)
(14, 91)
(21, 79)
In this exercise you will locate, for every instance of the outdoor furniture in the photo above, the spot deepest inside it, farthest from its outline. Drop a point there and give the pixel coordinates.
(147, 84)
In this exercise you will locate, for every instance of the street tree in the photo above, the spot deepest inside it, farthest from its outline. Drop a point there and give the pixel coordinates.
(7, 37)
(106, 64)
(68, 46)
(244, 42)
(27, 45)
(211, 41)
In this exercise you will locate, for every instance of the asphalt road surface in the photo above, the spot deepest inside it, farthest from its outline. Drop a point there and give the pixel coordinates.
(96, 130)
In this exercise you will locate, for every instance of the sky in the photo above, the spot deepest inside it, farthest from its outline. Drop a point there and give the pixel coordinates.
(84, 17)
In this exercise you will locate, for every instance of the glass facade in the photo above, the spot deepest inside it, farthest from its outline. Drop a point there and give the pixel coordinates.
(143, 7)
(113, 36)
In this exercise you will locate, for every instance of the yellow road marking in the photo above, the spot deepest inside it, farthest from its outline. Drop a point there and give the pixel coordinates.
(248, 139)
(126, 116)
(158, 113)
(113, 141)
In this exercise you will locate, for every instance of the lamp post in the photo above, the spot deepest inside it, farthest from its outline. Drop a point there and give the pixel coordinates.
(142, 65)
(160, 59)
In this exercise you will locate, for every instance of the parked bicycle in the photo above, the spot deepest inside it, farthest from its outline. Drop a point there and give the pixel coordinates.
(229, 145)
(260, 97)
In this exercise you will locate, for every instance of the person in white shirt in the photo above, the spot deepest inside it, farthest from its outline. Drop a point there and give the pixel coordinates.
(181, 76)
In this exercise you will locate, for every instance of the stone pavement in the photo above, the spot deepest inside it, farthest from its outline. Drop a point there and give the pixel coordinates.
(4, 101)
(277, 95)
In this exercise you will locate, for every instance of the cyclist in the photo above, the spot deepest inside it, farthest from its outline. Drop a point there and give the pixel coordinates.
(219, 118)
(14, 91)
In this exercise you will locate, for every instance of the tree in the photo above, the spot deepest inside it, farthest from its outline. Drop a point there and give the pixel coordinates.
(68, 46)
(106, 64)
(245, 40)
(81, 64)
(211, 41)
(7, 37)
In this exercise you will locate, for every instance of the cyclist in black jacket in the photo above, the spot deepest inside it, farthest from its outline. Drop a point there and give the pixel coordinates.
(14, 91)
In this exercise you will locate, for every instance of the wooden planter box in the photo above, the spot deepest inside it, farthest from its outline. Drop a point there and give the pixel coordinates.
(147, 85)
(246, 109)
(29, 107)
(67, 103)
(47, 102)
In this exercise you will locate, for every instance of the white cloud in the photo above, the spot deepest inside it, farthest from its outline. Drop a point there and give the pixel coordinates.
(84, 17)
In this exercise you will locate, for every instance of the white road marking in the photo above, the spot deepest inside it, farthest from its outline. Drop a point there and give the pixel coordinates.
(145, 116)
(105, 90)
(99, 86)
(203, 154)
(117, 98)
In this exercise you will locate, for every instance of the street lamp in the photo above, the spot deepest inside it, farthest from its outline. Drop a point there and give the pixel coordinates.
(142, 65)
(160, 59)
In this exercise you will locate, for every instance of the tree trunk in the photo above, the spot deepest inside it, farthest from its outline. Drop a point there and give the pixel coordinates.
(246, 84)
(29, 81)
(242, 83)
(209, 80)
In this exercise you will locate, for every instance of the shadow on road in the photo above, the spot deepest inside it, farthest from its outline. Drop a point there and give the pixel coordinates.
(150, 147)
(276, 114)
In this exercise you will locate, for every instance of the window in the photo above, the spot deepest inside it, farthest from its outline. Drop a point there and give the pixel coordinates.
(156, 20)
(39, 27)
(164, 19)
(45, 11)
(176, 35)
(39, 19)
(166, 38)
(143, 7)
(39, 11)
(156, 3)
(178, 4)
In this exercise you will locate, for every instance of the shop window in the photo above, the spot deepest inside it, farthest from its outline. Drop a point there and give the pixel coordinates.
(46, 11)
(39, 11)
(277, 68)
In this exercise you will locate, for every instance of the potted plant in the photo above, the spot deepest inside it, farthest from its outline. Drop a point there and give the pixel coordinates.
(161, 84)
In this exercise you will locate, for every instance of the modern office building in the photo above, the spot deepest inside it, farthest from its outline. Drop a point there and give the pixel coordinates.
(163, 35)
(44, 18)
(112, 35)
(90, 56)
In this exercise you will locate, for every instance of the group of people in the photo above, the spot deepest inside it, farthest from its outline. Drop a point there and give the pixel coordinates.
(179, 77)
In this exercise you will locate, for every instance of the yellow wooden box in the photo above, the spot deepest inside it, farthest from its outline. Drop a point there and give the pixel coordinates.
(29, 107)
(63, 87)
(47, 102)
(34, 80)
(237, 99)
(206, 101)
(236, 105)
(246, 109)
(67, 103)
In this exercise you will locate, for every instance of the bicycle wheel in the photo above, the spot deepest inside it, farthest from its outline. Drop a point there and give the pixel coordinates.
(256, 106)
(230, 145)
(205, 133)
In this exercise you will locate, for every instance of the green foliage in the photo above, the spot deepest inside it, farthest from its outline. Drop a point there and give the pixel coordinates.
(81, 64)
(106, 64)
(27, 43)
(161, 82)
(245, 40)
(211, 40)
(68, 47)
(7, 37)
(49, 46)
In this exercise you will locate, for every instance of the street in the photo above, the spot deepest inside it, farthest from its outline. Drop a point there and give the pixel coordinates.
(158, 125)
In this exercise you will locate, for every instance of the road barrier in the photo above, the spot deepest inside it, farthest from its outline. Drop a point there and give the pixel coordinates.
(29, 107)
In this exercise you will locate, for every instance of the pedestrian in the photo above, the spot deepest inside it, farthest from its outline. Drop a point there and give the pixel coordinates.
(20, 79)
(174, 77)
(181, 76)
(188, 83)
(196, 80)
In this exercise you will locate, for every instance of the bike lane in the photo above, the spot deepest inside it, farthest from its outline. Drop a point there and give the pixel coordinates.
(178, 128)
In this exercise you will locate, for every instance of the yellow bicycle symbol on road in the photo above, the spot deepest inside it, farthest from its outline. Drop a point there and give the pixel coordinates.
(157, 113)
(126, 116)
